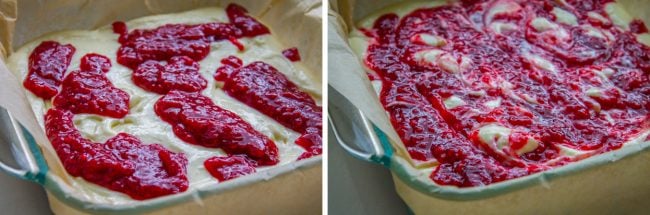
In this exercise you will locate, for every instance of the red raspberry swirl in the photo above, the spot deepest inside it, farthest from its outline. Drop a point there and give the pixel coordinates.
(516, 65)
(89, 90)
(47, 65)
(197, 120)
(180, 73)
(264, 88)
(122, 163)
(292, 54)
(193, 41)
(226, 168)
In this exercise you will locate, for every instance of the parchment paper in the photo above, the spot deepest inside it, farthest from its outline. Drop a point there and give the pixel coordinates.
(294, 23)
(347, 73)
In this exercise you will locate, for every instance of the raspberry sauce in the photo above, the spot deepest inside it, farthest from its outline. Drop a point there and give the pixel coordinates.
(123, 163)
(47, 65)
(292, 54)
(264, 88)
(193, 41)
(197, 120)
(493, 90)
(180, 73)
(226, 168)
(89, 91)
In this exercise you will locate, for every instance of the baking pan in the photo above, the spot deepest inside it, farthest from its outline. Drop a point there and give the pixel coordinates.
(615, 182)
(294, 188)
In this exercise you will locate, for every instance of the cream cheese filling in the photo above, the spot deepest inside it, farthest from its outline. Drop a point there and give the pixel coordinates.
(142, 120)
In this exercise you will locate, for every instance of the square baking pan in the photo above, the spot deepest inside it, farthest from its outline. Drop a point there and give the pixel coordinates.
(294, 188)
(615, 182)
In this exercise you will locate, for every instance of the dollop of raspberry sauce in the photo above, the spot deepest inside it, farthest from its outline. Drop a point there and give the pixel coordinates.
(89, 91)
(547, 105)
(47, 65)
(180, 73)
(193, 41)
(197, 120)
(292, 54)
(121, 164)
(264, 88)
(226, 168)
